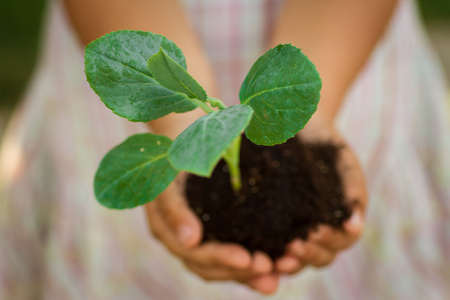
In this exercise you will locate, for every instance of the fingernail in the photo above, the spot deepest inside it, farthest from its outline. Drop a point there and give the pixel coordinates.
(184, 233)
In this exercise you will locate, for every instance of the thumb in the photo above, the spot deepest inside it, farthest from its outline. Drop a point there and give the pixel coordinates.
(188, 230)
(181, 220)
(355, 225)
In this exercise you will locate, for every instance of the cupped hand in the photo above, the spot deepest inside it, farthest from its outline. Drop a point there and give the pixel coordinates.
(178, 228)
(173, 222)
(324, 243)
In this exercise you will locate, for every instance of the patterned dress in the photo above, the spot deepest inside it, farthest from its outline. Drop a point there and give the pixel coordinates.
(57, 242)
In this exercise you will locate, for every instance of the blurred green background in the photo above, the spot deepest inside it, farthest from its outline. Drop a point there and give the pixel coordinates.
(20, 24)
(435, 10)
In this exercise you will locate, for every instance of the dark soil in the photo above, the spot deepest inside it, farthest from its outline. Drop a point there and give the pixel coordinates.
(287, 190)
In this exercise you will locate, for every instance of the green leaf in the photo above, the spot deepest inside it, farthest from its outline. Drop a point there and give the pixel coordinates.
(199, 148)
(116, 69)
(174, 77)
(135, 172)
(283, 87)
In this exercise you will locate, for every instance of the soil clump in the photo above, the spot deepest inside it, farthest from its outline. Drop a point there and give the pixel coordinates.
(287, 190)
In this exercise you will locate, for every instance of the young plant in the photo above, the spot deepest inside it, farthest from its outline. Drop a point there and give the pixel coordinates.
(142, 76)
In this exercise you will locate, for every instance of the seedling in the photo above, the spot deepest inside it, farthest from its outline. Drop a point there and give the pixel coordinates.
(142, 76)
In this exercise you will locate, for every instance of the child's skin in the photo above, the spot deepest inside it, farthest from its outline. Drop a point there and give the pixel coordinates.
(337, 36)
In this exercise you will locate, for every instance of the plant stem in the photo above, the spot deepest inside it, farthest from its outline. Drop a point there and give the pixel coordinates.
(231, 157)
(202, 105)
(232, 153)
(216, 102)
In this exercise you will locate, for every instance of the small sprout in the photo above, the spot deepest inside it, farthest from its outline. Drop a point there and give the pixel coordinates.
(198, 149)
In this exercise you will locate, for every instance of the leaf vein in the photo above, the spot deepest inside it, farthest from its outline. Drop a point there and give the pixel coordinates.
(111, 185)
(124, 65)
(274, 89)
(256, 115)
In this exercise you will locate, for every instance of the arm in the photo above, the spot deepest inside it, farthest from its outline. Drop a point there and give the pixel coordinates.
(338, 36)
(94, 18)
(170, 218)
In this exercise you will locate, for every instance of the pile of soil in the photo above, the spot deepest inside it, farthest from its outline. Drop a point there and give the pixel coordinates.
(287, 190)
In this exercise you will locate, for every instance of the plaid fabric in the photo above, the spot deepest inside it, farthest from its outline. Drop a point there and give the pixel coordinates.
(57, 242)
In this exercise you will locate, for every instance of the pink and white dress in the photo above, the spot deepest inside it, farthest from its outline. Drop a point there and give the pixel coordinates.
(57, 242)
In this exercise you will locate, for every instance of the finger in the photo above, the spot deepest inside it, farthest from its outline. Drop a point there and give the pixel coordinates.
(353, 179)
(310, 253)
(178, 216)
(336, 239)
(289, 264)
(261, 263)
(220, 254)
(163, 231)
(207, 254)
(217, 273)
(266, 284)
(354, 227)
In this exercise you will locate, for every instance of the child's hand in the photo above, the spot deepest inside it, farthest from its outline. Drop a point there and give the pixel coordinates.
(325, 243)
(178, 228)
(321, 247)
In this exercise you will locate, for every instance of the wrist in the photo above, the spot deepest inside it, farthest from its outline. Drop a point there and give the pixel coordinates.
(319, 128)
